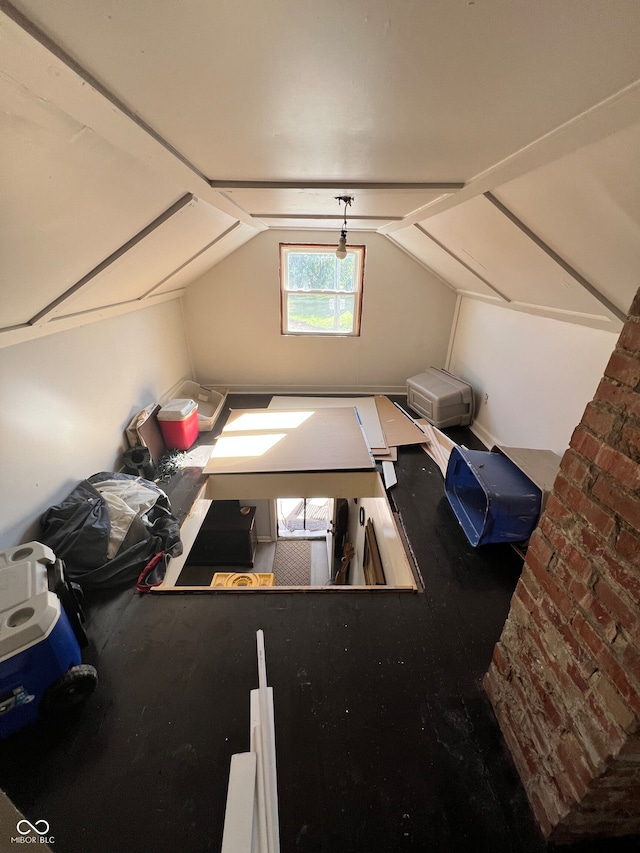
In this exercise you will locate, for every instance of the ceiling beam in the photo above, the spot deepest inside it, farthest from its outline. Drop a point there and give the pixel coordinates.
(53, 48)
(33, 59)
(45, 314)
(190, 260)
(337, 183)
(327, 216)
(565, 265)
(420, 262)
(613, 114)
(462, 263)
(24, 332)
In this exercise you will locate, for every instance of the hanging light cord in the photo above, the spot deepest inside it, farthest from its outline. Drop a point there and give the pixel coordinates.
(342, 244)
(347, 202)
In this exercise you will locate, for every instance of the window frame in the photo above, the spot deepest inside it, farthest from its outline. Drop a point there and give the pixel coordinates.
(322, 248)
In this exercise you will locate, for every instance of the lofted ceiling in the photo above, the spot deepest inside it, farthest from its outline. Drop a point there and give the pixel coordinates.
(495, 141)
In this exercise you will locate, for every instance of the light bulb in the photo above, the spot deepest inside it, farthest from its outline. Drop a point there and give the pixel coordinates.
(341, 251)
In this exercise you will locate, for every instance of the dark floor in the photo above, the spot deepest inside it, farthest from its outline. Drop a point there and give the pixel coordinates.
(385, 739)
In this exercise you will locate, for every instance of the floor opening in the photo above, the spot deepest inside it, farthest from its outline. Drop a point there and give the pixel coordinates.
(296, 543)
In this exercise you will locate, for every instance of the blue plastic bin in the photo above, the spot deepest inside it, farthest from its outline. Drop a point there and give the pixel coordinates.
(493, 500)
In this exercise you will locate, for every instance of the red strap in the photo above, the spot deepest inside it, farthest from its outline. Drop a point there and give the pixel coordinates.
(141, 585)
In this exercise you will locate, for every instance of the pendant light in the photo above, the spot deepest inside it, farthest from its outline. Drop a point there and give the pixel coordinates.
(341, 251)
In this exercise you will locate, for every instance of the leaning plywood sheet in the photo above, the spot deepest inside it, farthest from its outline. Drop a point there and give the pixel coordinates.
(398, 428)
(438, 445)
(275, 440)
(366, 407)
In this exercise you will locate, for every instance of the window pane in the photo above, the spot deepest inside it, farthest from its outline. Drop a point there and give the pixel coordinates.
(320, 271)
(312, 271)
(346, 272)
(320, 313)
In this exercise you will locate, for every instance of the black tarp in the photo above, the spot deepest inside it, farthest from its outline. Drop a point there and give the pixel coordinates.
(99, 548)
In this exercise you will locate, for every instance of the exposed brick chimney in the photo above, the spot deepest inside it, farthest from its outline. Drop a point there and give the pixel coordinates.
(564, 680)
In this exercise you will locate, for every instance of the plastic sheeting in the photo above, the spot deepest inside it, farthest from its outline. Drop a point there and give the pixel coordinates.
(109, 528)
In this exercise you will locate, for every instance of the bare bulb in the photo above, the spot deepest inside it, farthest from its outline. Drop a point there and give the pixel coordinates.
(341, 251)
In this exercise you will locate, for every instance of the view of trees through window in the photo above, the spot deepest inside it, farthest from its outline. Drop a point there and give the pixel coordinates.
(321, 293)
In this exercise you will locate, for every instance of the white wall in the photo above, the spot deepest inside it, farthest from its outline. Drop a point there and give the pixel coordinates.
(233, 317)
(392, 552)
(65, 400)
(539, 373)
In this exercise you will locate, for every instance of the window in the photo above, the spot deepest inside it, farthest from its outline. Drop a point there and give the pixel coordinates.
(319, 293)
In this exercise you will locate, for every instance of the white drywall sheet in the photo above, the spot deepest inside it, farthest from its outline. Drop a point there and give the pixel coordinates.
(366, 407)
(272, 440)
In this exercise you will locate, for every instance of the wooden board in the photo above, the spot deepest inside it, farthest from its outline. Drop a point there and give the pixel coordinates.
(239, 826)
(391, 456)
(398, 428)
(366, 407)
(295, 484)
(389, 474)
(276, 440)
(371, 561)
(438, 446)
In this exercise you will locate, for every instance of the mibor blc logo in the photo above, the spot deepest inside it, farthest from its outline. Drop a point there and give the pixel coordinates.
(33, 833)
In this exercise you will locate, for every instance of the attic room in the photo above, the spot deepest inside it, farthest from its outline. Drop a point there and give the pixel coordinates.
(155, 159)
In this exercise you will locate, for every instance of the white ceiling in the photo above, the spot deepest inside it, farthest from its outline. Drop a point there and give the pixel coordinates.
(496, 141)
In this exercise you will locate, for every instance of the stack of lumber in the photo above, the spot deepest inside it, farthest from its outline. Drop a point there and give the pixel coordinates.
(400, 428)
(386, 427)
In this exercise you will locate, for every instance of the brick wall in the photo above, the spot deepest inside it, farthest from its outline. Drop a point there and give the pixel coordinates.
(564, 680)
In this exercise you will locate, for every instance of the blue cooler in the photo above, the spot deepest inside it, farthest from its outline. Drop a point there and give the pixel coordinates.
(40, 660)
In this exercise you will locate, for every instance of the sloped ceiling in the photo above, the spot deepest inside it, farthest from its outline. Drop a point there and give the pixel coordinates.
(494, 141)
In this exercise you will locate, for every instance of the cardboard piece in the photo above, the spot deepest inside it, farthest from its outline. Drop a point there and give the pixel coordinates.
(391, 456)
(144, 429)
(398, 428)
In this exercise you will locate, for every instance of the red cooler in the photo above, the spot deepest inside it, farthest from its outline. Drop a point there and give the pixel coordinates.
(179, 423)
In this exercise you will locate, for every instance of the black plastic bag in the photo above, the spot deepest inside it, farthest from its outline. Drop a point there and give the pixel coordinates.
(108, 529)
